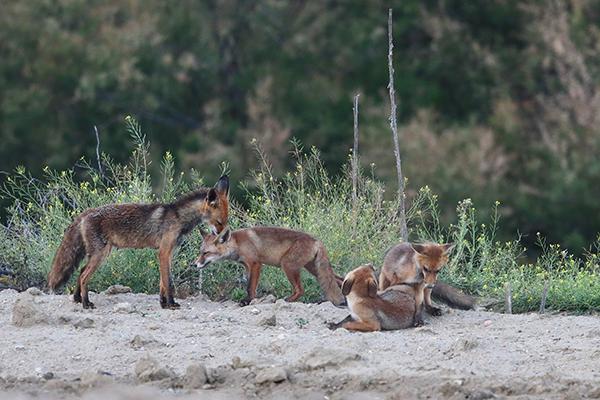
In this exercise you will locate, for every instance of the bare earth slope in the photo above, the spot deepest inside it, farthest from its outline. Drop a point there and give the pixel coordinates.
(129, 348)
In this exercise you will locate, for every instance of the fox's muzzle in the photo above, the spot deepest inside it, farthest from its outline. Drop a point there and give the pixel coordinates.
(201, 264)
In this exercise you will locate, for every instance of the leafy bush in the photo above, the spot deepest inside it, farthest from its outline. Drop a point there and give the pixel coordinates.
(305, 198)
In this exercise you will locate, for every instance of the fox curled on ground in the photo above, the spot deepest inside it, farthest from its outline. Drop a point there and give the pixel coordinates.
(291, 250)
(370, 310)
(96, 231)
(417, 266)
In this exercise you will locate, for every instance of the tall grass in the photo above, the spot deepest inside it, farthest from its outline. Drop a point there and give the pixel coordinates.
(306, 198)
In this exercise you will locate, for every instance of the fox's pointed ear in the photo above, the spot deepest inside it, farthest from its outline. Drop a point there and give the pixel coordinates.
(204, 234)
(448, 247)
(372, 288)
(211, 198)
(225, 235)
(222, 185)
(347, 286)
(419, 248)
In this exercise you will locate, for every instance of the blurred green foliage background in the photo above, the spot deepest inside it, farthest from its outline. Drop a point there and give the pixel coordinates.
(498, 99)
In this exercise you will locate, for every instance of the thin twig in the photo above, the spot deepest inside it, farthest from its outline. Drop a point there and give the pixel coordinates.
(98, 151)
(394, 126)
(355, 155)
(508, 298)
(544, 295)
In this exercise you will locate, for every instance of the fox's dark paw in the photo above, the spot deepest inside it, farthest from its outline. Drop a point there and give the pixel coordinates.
(419, 322)
(244, 302)
(88, 305)
(77, 298)
(333, 325)
(435, 311)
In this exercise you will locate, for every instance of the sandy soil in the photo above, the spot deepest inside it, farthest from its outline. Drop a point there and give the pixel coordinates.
(129, 348)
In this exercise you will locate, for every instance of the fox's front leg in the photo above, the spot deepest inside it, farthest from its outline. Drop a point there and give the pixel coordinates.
(254, 274)
(418, 319)
(165, 253)
(429, 307)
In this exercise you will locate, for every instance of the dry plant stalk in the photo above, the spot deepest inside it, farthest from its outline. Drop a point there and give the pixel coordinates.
(394, 126)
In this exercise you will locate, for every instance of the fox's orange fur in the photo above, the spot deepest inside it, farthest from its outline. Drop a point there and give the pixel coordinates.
(393, 308)
(161, 226)
(289, 249)
(417, 266)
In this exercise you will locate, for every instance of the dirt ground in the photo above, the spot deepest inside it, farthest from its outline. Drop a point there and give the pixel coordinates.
(129, 348)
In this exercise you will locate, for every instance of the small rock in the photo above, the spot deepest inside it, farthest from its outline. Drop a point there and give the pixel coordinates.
(48, 375)
(237, 363)
(124, 308)
(270, 321)
(271, 374)
(95, 378)
(84, 323)
(34, 291)
(481, 395)
(148, 370)
(254, 311)
(195, 377)
(19, 347)
(139, 342)
(487, 322)
(117, 289)
(326, 356)
(27, 313)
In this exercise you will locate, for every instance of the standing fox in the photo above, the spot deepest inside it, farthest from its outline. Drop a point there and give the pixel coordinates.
(289, 249)
(417, 265)
(161, 226)
(393, 308)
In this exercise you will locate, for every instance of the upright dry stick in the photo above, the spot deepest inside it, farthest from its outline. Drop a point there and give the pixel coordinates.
(394, 125)
(98, 151)
(355, 155)
(507, 298)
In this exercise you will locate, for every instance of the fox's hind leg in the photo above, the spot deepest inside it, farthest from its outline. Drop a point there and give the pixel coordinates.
(362, 326)
(94, 261)
(165, 253)
(293, 275)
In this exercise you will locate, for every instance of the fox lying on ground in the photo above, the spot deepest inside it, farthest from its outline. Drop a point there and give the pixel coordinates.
(417, 265)
(289, 249)
(161, 226)
(393, 308)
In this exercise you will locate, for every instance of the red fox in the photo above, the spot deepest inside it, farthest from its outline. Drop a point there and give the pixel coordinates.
(289, 249)
(393, 308)
(418, 265)
(161, 226)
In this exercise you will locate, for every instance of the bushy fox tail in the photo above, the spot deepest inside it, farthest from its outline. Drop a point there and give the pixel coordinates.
(68, 256)
(327, 279)
(452, 296)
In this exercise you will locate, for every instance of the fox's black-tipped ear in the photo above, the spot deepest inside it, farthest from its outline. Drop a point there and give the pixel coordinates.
(222, 185)
(372, 288)
(212, 196)
(448, 247)
(225, 235)
(347, 286)
(419, 248)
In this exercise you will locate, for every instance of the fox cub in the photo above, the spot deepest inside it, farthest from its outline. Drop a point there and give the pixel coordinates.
(289, 249)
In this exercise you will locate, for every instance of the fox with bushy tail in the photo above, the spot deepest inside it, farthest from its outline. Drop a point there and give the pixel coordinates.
(291, 250)
(96, 231)
(417, 265)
